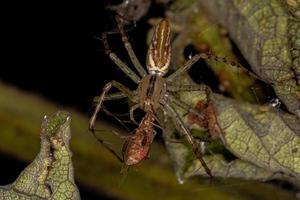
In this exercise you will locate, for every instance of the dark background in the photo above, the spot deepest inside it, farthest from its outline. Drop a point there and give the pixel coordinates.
(50, 48)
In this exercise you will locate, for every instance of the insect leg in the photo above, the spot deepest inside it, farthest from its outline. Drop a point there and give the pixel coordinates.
(131, 112)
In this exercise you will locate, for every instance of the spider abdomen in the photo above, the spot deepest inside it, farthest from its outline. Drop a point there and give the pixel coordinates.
(159, 52)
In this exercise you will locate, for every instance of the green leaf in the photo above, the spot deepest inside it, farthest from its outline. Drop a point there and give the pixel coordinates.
(51, 174)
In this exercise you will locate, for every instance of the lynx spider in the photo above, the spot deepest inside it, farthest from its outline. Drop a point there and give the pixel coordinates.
(155, 91)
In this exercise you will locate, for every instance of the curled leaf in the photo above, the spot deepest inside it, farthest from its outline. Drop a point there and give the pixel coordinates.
(50, 175)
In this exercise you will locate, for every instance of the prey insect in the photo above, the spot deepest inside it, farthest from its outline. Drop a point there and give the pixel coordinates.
(155, 91)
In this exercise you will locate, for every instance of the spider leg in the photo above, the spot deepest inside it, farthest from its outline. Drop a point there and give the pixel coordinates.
(128, 93)
(109, 97)
(129, 49)
(205, 56)
(185, 88)
(122, 122)
(183, 105)
(114, 96)
(106, 89)
(102, 142)
(184, 130)
(119, 62)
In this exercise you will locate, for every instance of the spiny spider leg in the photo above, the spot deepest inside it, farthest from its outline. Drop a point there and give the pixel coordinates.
(109, 97)
(205, 56)
(106, 146)
(119, 62)
(115, 96)
(184, 106)
(106, 89)
(184, 130)
(107, 112)
(185, 67)
(129, 49)
(103, 143)
(185, 88)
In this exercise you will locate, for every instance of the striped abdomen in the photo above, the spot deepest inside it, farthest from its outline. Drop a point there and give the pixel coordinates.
(159, 52)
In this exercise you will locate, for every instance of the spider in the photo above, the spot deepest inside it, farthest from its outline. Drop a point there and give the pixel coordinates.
(155, 91)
